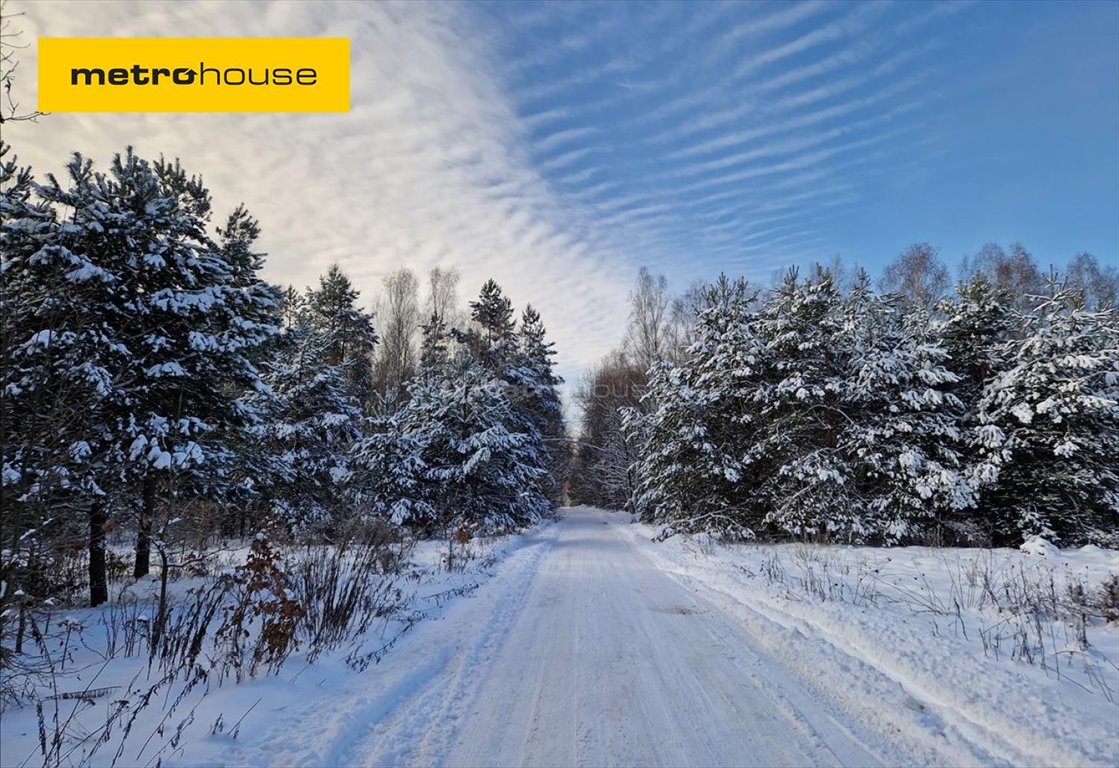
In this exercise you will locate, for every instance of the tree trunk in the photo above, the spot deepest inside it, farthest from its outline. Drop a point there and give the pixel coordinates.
(161, 619)
(21, 630)
(144, 531)
(98, 578)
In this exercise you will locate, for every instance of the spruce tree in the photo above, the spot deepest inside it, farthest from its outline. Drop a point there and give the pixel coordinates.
(535, 387)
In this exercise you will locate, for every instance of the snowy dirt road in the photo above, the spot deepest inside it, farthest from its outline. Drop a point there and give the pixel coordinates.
(580, 651)
(611, 662)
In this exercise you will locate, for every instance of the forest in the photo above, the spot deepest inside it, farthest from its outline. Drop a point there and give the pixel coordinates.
(158, 390)
(834, 408)
(559, 383)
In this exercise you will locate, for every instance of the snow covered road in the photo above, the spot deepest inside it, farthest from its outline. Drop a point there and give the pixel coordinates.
(584, 643)
(611, 662)
(580, 651)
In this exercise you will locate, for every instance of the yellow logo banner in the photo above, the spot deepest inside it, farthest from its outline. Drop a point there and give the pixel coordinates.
(202, 74)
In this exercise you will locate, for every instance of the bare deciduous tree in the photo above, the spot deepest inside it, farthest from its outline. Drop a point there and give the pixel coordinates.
(10, 44)
(843, 274)
(648, 334)
(1098, 284)
(442, 301)
(681, 331)
(918, 274)
(603, 461)
(1015, 273)
(399, 317)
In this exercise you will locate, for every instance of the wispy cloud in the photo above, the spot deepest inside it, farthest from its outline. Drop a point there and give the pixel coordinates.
(431, 167)
(557, 146)
(759, 26)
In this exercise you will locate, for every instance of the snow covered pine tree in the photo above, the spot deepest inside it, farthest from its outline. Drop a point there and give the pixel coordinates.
(147, 334)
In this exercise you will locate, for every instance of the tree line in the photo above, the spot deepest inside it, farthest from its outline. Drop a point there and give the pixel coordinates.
(154, 384)
(827, 408)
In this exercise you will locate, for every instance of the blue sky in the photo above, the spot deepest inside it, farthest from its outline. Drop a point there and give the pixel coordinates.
(558, 147)
(743, 133)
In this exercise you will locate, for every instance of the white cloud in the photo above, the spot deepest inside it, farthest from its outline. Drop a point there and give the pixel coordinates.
(431, 167)
(554, 147)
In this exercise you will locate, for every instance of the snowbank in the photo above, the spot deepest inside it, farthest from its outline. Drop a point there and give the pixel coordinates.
(994, 654)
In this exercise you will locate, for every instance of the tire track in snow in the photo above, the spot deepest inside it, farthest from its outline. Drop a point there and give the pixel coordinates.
(334, 731)
(605, 660)
(945, 732)
(469, 637)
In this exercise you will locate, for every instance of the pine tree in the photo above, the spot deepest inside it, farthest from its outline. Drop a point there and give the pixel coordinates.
(466, 447)
(694, 439)
(292, 307)
(975, 329)
(903, 440)
(975, 332)
(260, 308)
(493, 312)
(479, 469)
(391, 479)
(801, 399)
(311, 425)
(29, 316)
(1050, 427)
(347, 330)
(492, 341)
(519, 364)
(537, 399)
(193, 319)
(433, 347)
(56, 376)
(158, 339)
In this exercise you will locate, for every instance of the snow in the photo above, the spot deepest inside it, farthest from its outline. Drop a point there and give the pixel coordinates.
(594, 646)
(429, 591)
(166, 369)
(80, 450)
(578, 651)
(40, 339)
(86, 272)
(159, 458)
(1023, 413)
(879, 649)
(587, 643)
(137, 447)
(1036, 545)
